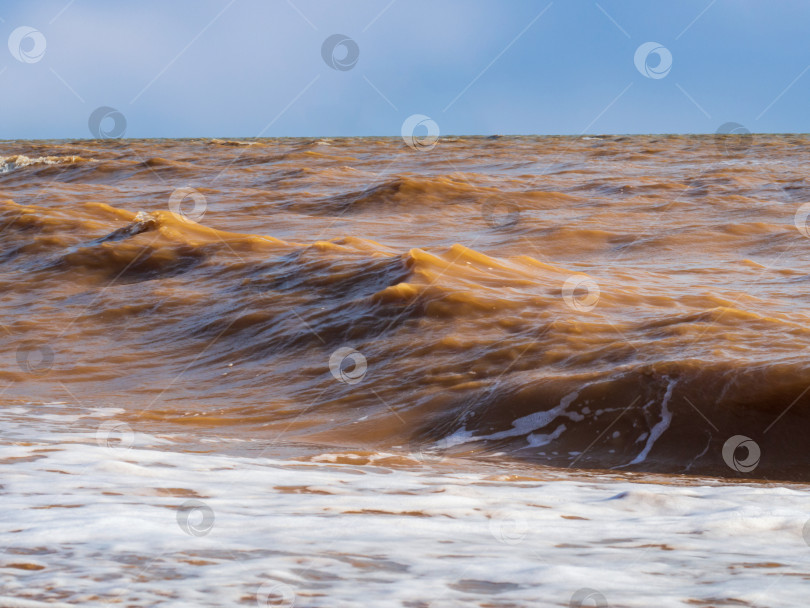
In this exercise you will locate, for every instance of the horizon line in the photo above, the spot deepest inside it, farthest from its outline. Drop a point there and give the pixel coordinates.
(447, 136)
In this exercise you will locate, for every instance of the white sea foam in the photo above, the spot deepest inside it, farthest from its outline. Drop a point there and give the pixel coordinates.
(93, 525)
(9, 163)
(661, 426)
(521, 426)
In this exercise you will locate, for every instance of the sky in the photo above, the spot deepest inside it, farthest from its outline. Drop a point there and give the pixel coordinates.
(310, 68)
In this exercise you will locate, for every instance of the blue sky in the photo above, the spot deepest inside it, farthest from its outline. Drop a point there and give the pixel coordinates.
(244, 68)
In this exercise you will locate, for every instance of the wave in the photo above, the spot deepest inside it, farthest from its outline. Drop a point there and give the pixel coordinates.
(232, 142)
(526, 376)
(20, 161)
(671, 416)
(503, 307)
(412, 193)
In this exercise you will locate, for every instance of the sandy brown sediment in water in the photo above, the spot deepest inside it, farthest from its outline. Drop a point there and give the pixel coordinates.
(446, 270)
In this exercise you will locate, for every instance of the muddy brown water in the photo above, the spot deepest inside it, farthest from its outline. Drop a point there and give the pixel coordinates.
(626, 303)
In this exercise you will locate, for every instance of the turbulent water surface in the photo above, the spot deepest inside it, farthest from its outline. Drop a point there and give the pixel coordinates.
(363, 312)
(596, 302)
